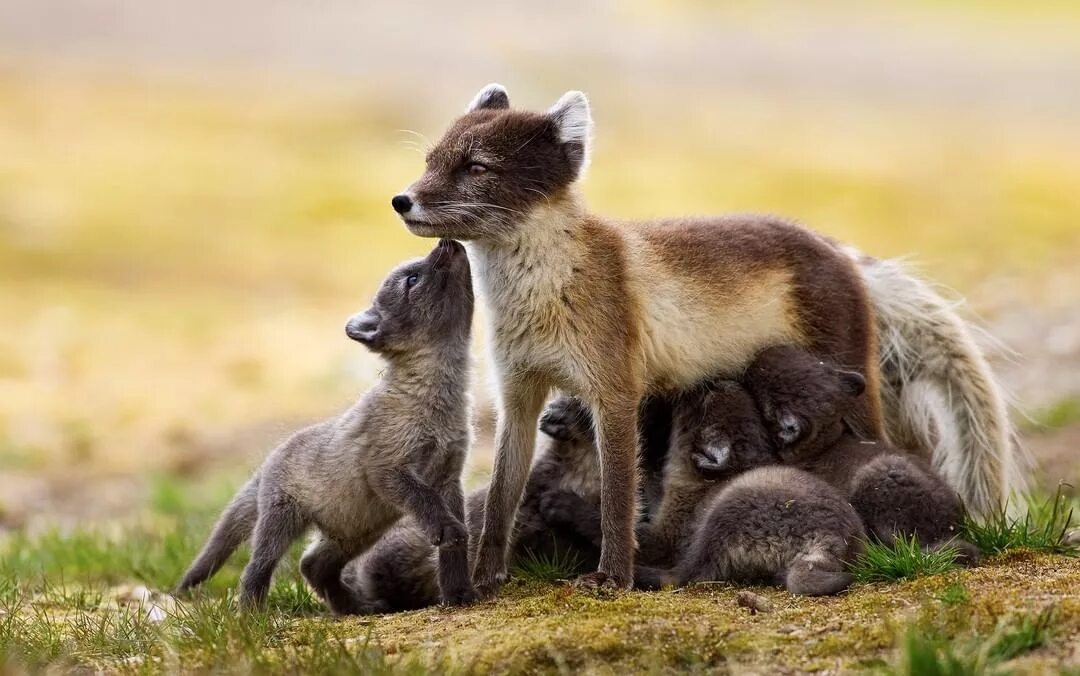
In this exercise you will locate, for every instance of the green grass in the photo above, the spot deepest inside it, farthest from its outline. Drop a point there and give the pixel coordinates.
(926, 652)
(1061, 413)
(1041, 528)
(903, 559)
(955, 594)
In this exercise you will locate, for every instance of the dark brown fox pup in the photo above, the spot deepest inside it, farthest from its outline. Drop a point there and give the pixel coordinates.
(399, 450)
(803, 401)
(716, 435)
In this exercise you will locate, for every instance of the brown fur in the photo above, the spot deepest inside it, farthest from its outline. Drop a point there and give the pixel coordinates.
(611, 311)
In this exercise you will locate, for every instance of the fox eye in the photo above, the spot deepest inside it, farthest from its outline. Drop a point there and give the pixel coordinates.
(475, 169)
(411, 280)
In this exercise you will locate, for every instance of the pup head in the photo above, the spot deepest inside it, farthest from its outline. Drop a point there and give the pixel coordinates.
(494, 165)
(425, 303)
(802, 399)
(725, 432)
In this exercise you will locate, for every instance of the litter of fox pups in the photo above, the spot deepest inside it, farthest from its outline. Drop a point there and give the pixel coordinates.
(728, 399)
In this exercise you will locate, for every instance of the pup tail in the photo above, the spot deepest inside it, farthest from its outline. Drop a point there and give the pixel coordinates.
(938, 392)
(231, 530)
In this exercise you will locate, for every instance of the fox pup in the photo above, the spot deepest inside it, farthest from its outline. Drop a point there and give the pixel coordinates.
(803, 401)
(716, 435)
(772, 525)
(399, 450)
(611, 311)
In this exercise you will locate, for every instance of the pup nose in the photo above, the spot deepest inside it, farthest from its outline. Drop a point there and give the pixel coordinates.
(362, 327)
(712, 458)
(789, 429)
(401, 203)
(717, 455)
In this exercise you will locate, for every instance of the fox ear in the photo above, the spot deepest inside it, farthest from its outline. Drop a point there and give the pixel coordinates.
(853, 383)
(493, 97)
(573, 122)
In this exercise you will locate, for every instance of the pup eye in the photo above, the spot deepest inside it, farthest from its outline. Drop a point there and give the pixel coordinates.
(411, 280)
(475, 169)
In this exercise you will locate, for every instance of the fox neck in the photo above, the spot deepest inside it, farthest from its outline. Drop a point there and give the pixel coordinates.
(537, 258)
(438, 376)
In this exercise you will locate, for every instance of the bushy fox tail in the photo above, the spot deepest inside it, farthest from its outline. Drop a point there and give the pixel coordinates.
(938, 392)
(231, 530)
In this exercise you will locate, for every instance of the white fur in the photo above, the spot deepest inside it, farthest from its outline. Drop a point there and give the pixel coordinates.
(484, 95)
(938, 391)
(574, 121)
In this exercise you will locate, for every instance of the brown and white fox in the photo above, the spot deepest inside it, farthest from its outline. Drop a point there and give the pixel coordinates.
(613, 310)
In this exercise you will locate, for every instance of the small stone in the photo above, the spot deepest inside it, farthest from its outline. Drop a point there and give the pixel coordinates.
(754, 602)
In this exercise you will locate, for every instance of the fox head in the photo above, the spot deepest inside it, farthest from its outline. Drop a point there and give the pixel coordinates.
(494, 165)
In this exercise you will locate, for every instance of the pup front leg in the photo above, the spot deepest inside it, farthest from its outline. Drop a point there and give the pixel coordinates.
(522, 398)
(617, 441)
(455, 585)
(442, 522)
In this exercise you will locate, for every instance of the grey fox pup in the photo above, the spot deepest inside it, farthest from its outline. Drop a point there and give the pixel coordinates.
(399, 450)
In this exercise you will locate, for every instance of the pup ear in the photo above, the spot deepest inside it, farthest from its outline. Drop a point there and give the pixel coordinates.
(493, 97)
(573, 123)
(851, 382)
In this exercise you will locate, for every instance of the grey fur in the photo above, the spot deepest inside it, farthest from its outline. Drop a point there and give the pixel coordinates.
(730, 513)
(803, 401)
(559, 517)
(399, 450)
(939, 394)
(772, 525)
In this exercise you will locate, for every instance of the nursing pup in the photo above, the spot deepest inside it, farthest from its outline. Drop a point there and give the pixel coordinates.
(716, 435)
(803, 400)
(730, 513)
(399, 450)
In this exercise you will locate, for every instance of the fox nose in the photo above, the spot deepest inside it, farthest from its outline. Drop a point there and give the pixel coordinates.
(713, 457)
(401, 203)
(717, 455)
(789, 429)
(363, 327)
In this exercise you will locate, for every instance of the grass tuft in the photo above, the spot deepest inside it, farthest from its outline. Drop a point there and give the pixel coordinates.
(1029, 633)
(548, 567)
(1059, 414)
(928, 653)
(1042, 528)
(904, 559)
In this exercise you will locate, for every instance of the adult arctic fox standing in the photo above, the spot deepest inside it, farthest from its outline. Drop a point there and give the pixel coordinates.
(613, 310)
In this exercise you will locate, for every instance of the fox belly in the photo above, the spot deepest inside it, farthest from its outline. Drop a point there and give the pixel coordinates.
(693, 329)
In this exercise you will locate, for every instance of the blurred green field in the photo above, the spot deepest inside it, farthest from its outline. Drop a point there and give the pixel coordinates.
(178, 260)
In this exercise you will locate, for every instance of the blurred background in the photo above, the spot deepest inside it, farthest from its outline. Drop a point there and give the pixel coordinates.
(195, 196)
